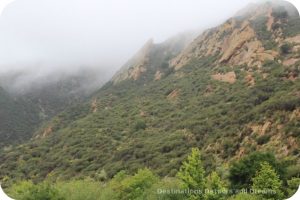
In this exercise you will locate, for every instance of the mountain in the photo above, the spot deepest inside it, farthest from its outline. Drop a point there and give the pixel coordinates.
(18, 118)
(231, 91)
(153, 59)
(26, 105)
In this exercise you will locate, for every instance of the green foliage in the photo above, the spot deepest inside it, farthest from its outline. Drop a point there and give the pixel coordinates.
(263, 139)
(140, 125)
(286, 48)
(215, 187)
(204, 113)
(267, 183)
(101, 176)
(28, 191)
(19, 118)
(192, 173)
(245, 196)
(166, 189)
(80, 189)
(293, 186)
(260, 27)
(243, 171)
(133, 187)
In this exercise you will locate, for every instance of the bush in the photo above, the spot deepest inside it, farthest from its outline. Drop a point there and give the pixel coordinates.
(268, 181)
(285, 48)
(160, 190)
(80, 189)
(242, 172)
(245, 197)
(26, 190)
(293, 185)
(263, 139)
(140, 125)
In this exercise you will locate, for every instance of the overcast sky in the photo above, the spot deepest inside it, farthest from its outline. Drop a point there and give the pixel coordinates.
(55, 34)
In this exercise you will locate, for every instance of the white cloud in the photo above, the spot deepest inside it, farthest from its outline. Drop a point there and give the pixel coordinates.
(3, 4)
(296, 3)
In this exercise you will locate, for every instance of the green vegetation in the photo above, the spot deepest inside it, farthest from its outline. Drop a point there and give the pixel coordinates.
(243, 171)
(118, 137)
(28, 191)
(132, 140)
(260, 27)
(286, 48)
(192, 174)
(266, 179)
(19, 118)
(191, 183)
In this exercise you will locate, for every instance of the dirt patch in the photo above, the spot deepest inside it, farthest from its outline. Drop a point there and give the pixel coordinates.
(47, 132)
(229, 77)
(136, 72)
(295, 114)
(94, 106)
(261, 129)
(158, 75)
(290, 61)
(295, 39)
(250, 79)
(270, 20)
(173, 95)
(142, 113)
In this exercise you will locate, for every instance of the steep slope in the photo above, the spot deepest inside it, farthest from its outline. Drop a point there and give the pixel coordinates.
(25, 106)
(234, 90)
(18, 118)
(152, 61)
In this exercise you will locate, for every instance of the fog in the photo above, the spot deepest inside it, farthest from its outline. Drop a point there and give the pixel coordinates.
(48, 36)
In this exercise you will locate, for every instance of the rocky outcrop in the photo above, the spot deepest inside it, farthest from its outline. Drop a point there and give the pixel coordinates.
(237, 41)
(229, 77)
(153, 58)
(135, 66)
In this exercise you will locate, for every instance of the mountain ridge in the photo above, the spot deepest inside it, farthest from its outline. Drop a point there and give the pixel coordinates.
(223, 100)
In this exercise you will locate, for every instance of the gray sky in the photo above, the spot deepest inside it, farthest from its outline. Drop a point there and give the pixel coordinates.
(64, 34)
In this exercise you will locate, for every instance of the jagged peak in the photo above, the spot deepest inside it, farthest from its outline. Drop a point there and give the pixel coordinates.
(248, 38)
(253, 10)
(137, 60)
(153, 57)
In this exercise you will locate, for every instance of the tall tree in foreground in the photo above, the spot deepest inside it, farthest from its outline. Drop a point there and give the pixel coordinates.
(192, 174)
(267, 183)
(215, 187)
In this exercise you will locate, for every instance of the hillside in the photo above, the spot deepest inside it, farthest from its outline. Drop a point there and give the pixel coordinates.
(18, 118)
(26, 106)
(233, 90)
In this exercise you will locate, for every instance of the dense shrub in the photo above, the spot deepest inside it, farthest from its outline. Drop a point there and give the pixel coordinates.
(28, 191)
(242, 171)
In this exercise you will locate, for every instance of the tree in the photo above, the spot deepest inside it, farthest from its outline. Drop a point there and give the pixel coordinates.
(215, 187)
(267, 183)
(28, 191)
(285, 48)
(192, 174)
(242, 171)
(244, 196)
(140, 125)
(101, 176)
(133, 187)
(293, 185)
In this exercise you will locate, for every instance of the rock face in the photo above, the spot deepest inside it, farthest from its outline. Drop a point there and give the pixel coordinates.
(229, 77)
(134, 67)
(243, 39)
(153, 58)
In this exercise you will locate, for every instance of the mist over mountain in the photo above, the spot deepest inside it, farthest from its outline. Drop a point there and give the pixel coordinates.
(52, 37)
(213, 109)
